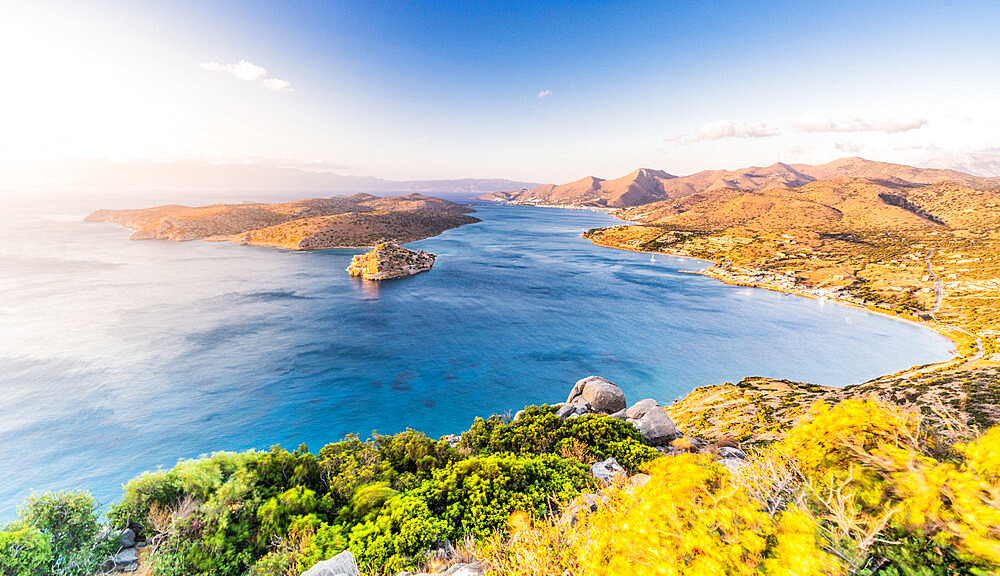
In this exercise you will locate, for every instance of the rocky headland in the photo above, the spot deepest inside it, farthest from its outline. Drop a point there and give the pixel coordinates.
(389, 260)
(311, 224)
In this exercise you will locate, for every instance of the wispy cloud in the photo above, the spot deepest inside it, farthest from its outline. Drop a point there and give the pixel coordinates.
(889, 126)
(250, 72)
(277, 85)
(725, 129)
(544, 94)
(849, 147)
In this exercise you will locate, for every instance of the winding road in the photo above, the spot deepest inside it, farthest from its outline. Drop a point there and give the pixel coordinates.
(938, 295)
(938, 286)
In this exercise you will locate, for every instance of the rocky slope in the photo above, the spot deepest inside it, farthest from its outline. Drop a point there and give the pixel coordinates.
(644, 186)
(314, 223)
(389, 260)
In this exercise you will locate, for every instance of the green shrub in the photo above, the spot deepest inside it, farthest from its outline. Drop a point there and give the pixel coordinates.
(276, 514)
(141, 493)
(68, 522)
(539, 431)
(25, 552)
(478, 495)
(67, 518)
(397, 537)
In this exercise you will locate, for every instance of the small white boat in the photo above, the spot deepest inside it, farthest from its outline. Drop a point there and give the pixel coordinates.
(652, 258)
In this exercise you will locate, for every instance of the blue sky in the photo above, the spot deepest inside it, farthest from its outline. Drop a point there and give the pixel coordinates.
(543, 91)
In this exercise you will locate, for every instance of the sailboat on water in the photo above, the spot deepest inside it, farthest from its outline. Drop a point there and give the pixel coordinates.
(652, 258)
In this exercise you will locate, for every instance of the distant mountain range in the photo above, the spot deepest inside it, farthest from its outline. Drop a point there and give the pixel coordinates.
(645, 186)
(93, 174)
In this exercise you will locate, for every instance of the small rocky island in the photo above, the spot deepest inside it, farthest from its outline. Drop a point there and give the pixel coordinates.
(389, 260)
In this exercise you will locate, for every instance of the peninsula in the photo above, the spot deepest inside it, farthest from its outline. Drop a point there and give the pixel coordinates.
(311, 224)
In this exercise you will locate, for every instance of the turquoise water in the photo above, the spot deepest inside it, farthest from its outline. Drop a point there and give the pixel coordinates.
(118, 357)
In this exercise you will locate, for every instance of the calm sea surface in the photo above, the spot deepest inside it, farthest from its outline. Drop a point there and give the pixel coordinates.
(118, 357)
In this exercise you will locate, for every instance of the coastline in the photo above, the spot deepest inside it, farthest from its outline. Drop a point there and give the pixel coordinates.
(712, 272)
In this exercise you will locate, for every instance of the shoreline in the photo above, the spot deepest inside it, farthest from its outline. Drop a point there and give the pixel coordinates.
(944, 331)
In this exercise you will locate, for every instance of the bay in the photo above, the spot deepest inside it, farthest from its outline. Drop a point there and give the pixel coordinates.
(118, 357)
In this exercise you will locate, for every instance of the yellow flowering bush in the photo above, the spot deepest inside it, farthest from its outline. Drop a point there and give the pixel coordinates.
(860, 488)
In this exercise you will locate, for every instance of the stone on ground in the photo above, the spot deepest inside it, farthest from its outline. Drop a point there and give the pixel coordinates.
(607, 470)
(340, 565)
(652, 420)
(602, 395)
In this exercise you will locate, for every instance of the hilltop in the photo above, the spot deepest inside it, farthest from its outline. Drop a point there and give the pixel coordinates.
(314, 223)
(645, 185)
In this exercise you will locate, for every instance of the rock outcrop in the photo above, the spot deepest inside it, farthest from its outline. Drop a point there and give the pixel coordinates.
(389, 260)
(467, 569)
(599, 393)
(652, 420)
(342, 564)
(606, 470)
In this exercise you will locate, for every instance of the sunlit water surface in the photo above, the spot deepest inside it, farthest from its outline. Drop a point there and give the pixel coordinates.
(118, 357)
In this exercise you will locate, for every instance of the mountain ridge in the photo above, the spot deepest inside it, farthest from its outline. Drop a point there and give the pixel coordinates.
(644, 186)
(197, 175)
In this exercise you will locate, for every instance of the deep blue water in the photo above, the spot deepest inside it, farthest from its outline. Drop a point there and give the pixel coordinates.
(118, 357)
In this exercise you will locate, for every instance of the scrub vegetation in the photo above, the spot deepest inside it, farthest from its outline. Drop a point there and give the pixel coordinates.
(863, 487)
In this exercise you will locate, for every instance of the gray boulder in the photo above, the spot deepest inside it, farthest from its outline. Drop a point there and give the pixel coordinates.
(607, 470)
(650, 418)
(570, 410)
(125, 561)
(472, 569)
(340, 565)
(730, 452)
(603, 396)
(734, 465)
(127, 538)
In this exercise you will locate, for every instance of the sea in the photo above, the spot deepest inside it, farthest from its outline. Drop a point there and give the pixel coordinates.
(121, 356)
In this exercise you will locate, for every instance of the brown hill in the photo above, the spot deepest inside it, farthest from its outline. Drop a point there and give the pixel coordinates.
(337, 221)
(639, 187)
(841, 204)
(645, 186)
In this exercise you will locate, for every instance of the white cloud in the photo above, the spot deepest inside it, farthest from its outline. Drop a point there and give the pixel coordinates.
(889, 126)
(277, 85)
(544, 94)
(724, 129)
(243, 70)
(849, 147)
(250, 72)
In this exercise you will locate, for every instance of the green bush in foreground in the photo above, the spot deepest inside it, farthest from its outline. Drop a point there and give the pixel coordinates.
(387, 499)
(56, 534)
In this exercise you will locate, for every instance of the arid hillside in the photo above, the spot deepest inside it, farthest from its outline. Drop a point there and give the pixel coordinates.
(926, 251)
(841, 204)
(644, 186)
(337, 221)
(639, 187)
